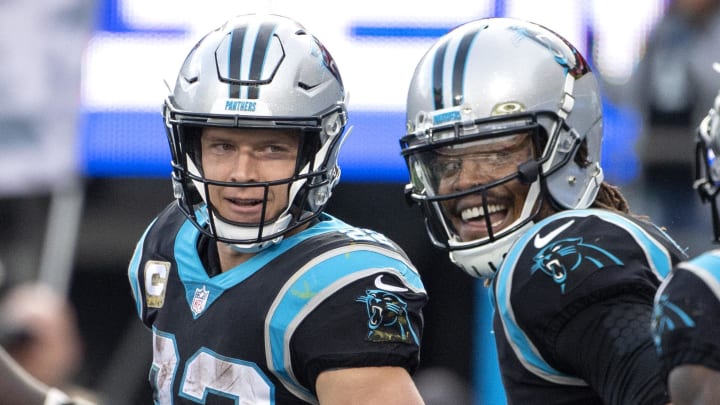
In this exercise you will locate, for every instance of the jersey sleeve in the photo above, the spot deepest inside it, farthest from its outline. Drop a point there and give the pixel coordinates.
(685, 320)
(147, 276)
(569, 270)
(372, 321)
(609, 346)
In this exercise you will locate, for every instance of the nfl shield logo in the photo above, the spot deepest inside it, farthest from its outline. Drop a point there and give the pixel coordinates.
(199, 300)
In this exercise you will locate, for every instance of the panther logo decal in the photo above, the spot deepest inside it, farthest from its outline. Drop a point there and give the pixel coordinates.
(562, 257)
(387, 317)
(668, 317)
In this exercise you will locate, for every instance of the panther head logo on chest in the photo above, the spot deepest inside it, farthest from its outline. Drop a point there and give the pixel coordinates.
(559, 259)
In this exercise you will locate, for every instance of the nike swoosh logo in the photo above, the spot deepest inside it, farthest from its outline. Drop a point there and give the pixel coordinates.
(387, 287)
(541, 241)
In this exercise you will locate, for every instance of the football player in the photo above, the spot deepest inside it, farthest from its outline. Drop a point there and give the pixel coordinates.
(252, 292)
(687, 305)
(504, 133)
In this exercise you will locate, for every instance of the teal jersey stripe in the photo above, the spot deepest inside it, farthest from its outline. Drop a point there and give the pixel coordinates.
(658, 258)
(315, 282)
(134, 270)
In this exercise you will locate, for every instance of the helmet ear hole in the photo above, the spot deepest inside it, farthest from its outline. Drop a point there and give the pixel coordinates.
(191, 139)
(309, 146)
(542, 140)
(581, 155)
(193, 195)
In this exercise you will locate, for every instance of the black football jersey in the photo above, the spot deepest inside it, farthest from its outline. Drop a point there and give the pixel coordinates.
(687, 310)
(331, 296)
(576, 278)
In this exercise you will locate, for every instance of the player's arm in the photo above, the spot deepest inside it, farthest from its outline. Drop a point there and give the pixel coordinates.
(362, 342)
(19, 387)
(610, 346)
(367, 385)
(694, 384)
(686, 331)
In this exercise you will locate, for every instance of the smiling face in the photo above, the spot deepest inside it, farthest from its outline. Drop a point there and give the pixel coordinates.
(248, 155)
(474, 164)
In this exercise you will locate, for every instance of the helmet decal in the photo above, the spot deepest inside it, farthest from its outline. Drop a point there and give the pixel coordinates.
(438, 75)
(328, 60)
(457, 77)
(249, 55)
(566, 56)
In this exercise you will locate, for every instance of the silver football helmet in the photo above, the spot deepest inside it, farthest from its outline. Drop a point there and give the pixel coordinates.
(486, 82)
(263, 72)
(707, 164)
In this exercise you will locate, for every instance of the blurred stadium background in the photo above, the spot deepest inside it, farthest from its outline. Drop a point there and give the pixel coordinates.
(76, 195)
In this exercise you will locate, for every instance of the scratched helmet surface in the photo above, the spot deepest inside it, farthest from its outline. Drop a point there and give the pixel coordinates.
(495, 77)
(263, 72)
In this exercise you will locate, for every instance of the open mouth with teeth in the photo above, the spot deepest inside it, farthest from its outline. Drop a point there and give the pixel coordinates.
(245, 210)
(472, 222)
(244, 201)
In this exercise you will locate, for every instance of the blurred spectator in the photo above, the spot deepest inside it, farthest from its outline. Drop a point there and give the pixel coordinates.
(42, 45)
(687, 305)
(672, 88)
(674, 81)
(38, 328)
(17, 386)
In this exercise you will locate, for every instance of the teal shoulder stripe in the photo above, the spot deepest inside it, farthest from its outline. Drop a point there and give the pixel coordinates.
(657, 255)
(195, 278)
(315, 282)
(707, 268)
(134, 269)
(525, 350)
(710, 261)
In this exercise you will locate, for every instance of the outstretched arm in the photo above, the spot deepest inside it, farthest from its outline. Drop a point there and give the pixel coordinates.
(17, 385)
(693, 384)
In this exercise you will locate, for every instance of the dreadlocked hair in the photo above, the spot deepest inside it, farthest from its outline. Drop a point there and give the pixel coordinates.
(610, 198)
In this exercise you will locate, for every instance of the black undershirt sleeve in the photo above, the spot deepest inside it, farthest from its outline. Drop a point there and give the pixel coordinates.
(610, 346)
